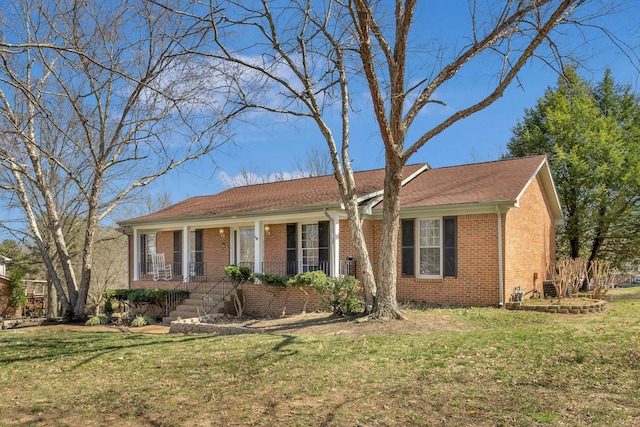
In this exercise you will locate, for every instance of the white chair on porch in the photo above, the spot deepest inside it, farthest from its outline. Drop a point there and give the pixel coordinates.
(160, 269)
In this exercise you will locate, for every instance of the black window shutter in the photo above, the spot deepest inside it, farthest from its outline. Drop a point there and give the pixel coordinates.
(199, 246)
(408, 247)
(177, 252)
(450, 246)
(323, 246)
(292, 255)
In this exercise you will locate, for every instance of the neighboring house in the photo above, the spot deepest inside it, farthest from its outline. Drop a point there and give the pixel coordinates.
(5, 310)
(469, 234)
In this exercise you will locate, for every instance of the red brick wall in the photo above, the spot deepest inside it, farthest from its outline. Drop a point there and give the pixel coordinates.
(275, 244)
(131, 261)
(274, 301)
(5, 309)
(530, 240)
(477, 279)
(216, 252)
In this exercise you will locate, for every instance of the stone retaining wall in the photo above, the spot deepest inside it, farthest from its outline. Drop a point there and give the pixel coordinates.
(596, 306)
(198, 325)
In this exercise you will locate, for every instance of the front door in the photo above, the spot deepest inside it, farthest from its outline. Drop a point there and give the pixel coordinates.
(246, 247)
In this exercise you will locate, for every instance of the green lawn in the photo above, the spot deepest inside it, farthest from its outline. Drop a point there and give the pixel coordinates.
(498, 368)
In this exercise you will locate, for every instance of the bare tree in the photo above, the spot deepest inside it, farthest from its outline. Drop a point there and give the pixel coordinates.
(317, 162)
(312, 56)
(97, 99)
(110, 254)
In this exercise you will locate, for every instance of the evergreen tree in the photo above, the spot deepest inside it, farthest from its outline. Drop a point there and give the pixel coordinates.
(591, 136)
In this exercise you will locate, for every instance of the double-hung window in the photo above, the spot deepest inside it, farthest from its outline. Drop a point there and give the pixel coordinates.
(429, 247)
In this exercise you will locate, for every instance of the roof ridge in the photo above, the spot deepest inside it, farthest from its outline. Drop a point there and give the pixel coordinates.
(506, 159)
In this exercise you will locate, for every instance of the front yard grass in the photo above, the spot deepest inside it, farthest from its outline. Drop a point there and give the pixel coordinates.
(498, 368)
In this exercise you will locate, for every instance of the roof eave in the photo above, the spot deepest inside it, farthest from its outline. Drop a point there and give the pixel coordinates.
(378, 197)
(123, 225)
(549, 187)
(451, 209)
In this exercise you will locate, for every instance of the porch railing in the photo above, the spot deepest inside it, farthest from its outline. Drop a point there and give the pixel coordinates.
(146, 271)
(288, 269)
(217, 294)
(198, 278)
(197, 271)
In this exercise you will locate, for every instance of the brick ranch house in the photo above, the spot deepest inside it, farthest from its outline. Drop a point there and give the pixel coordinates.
(469, 234)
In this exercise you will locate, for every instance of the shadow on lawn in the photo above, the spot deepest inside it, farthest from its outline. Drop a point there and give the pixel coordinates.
(275, 327)
(46, 345)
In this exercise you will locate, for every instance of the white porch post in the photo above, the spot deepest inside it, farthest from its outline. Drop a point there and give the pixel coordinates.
(259, 246)
(185, 253)
(136, 255)
(335, 246)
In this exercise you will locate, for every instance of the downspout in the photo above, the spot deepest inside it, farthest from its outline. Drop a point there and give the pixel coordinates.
(334, 269)
(500, 273)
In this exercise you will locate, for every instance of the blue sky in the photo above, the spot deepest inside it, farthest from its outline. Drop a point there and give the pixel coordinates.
(272, 144)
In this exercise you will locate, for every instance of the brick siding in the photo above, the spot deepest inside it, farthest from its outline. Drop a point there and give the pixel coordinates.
(530, 239)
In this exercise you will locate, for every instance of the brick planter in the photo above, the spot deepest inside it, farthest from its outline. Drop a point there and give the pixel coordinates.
(589, 306)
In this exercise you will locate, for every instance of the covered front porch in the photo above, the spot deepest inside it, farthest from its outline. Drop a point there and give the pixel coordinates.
(199, 252)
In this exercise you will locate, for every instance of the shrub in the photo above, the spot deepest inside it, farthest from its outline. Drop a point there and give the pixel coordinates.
(316, 279)
(238, 274)
(141, 320)
(343, 296)
(273, 280)
(108, 307)
(96, 321)
(17, 296)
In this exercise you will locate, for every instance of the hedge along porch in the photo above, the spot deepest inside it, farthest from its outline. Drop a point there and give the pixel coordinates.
(469, 234)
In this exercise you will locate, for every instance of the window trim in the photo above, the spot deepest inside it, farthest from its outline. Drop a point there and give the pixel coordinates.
(305, 267)
(419, 247)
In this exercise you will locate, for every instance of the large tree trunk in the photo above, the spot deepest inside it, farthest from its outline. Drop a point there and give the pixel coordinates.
(362, 255)
(386, 305)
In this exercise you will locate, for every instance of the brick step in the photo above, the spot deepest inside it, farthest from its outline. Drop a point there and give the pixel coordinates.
(196, 299)
(188, 308)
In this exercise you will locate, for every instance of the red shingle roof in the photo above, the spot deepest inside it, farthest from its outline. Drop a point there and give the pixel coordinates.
(490, 182)
(293, 194)
(497, 181)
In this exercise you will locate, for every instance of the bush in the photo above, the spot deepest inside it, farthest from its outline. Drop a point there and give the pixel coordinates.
(96, 321)
(343, 296)
(17, 296)
(108, 307)
(273, 280)
(341, 293)
(316, 279)
(238, 274)
(141, 320)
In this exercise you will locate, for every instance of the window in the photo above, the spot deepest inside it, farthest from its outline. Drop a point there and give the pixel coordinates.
(430, 259)
(146, 248)
(437, 246)
(310, 247)
(196, 258)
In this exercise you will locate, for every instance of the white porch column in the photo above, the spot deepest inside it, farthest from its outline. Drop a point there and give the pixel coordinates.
(185, 253)
(258, 256)
(136, 255)
(335, 246)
